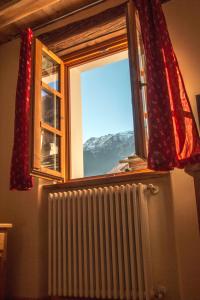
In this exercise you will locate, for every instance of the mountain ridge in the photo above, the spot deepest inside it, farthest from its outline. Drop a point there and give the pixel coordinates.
(102, 154)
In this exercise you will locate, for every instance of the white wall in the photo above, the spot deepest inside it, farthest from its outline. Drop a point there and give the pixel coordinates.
(184, 27)
(23, 209)
(174, 231)
(76, 131)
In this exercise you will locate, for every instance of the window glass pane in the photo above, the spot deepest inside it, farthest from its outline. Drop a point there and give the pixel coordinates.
(143, 79)
(50, 150)
(50, 109)
(50, 72)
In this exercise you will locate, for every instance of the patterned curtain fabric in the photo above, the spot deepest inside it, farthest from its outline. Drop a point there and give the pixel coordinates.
(20, 178)
(173, 135)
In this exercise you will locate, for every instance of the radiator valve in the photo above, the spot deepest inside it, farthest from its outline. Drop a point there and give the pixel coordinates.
(159, 292)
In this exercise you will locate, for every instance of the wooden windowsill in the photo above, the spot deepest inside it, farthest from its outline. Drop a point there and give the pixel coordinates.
(116, 178)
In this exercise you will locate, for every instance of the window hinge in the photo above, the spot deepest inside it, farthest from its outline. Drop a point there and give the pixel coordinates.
(142, 84)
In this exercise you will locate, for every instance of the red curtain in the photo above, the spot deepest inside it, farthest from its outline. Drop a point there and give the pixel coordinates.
(173, 136)
(20, 178)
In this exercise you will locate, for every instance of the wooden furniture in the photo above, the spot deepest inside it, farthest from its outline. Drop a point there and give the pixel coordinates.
(194, 171)
(3, 254)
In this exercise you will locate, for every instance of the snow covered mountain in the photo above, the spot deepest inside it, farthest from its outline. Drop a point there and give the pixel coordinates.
(102, 154)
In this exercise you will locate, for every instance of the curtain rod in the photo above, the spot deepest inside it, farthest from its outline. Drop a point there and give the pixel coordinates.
(41, 26)
(74, 12)
(68, 14)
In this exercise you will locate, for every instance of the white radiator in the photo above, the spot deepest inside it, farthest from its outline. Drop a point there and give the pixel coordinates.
(99, 243)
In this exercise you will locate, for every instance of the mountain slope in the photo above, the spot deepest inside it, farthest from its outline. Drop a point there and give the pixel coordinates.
(102, 154)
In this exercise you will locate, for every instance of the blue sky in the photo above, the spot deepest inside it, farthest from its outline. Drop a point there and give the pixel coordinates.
(106, 100)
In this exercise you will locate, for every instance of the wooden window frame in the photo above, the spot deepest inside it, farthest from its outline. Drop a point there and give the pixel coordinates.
(138, 114)
(37, 169)
(106, 48)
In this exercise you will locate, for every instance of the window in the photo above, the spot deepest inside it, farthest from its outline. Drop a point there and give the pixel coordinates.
(49, 117)
(90, 111)
(102, 128)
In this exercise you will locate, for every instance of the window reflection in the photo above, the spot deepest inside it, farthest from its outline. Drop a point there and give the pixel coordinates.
(50, 72)
(50, 109)
(50, 150)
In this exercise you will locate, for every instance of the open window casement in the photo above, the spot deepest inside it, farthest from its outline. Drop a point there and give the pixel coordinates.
(49, 114)
(137, 70)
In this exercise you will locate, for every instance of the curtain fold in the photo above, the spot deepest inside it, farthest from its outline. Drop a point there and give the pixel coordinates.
(20, 178)
(173, 136)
